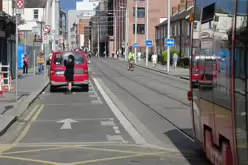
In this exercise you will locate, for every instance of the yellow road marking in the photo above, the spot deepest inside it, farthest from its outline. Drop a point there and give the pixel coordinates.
(29, 160)
(35, 150)
(117, 158)
(26, 129)
(31, 113)
(111, 150)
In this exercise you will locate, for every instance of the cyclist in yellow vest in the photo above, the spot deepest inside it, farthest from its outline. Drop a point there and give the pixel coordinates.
(131, 58)
(40, 61)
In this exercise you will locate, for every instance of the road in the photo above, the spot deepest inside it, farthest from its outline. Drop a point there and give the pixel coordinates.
(139, 117)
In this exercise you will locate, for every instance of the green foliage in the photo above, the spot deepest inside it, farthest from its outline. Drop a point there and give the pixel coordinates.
(172, 51)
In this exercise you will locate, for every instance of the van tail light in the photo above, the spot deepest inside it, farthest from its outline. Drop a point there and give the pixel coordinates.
(52, 72)
(190, 95)
(86, 71)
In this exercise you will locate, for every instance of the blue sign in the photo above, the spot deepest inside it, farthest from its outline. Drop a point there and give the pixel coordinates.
(170, 42)
(20, 56)
(149, 43)
(136, 45)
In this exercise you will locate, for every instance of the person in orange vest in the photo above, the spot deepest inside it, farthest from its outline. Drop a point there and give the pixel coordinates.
(25, 64)
(40, 61)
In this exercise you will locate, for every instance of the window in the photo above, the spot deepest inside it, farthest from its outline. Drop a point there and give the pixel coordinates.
(141, 12)
(140, 28)
(36, 13)
(59, 58)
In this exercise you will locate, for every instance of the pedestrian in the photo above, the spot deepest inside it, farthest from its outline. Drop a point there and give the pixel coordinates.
(25, 64)
(139, 55)
(175, 59)
(154, 59)
(69, 72)
(40, 61)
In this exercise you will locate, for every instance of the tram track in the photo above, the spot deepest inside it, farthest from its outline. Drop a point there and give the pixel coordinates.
(144, 103)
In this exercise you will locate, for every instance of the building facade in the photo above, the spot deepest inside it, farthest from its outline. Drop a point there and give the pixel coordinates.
(157, 11)
(179, 30)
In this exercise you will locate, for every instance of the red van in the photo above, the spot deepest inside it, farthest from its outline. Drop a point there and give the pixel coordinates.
(57, 69)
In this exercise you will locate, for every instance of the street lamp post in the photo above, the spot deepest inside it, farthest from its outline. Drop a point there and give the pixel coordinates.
(168, 35)
(147, 30)
(17, 44)
(126, 34)
(136, 20)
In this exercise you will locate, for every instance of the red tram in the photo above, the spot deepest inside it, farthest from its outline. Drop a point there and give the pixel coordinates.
(220, 114)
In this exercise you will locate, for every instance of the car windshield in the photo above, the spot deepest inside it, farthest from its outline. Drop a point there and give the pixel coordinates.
(59, 58)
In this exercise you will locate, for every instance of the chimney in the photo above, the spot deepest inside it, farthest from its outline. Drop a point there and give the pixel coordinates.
(189, 3)
(182, 5)
(174, 10)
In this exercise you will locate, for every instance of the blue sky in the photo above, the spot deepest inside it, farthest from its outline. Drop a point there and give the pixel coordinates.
(68, 4)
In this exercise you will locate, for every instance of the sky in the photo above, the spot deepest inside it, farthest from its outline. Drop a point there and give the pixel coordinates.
(68, 4)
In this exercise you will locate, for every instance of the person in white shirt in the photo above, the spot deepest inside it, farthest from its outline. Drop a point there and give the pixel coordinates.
(139, 56)
(154, 59)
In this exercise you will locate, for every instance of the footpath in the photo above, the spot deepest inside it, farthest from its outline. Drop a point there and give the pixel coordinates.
(29, 86)
(178, 72)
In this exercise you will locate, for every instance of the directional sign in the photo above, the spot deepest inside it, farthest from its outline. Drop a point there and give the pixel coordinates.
(66, 123)
(170, 42)
(135, 45)
(46, 28)
(148, 43)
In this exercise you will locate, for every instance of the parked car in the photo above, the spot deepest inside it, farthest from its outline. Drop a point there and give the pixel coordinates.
(57, 69)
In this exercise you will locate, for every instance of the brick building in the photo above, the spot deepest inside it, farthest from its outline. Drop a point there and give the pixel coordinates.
(180, 29)
(157, 12)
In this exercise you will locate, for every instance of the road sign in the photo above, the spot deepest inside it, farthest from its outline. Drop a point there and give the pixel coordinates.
(45, 39)
(170, 42)
(19, 9)
(148, 43)
(46, 28)
(61, 41)
(135, 45)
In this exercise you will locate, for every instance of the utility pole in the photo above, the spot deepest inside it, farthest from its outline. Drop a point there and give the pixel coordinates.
(147, 30)
(98, 37)
(136, 21)
(17, 44)
(168, 35)
(126, 34)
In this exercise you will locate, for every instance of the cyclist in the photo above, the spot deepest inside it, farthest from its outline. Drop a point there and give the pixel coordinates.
(131, 58)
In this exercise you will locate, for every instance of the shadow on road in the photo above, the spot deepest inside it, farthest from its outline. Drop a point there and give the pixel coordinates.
(190, 150)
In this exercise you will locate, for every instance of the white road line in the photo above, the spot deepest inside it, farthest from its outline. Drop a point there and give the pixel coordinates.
(123, 120)
(117, 132)
(96, 102)
(107, 123)
(85, 119)
(115, 138)
(93, 96)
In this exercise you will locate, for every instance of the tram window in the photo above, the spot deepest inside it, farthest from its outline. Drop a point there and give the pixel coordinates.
(208, 13)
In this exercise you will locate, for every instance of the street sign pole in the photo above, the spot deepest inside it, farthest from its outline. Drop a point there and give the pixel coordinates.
(147, 30)
(18, 10)
(17, 43)
(168, 36)
(136, 28)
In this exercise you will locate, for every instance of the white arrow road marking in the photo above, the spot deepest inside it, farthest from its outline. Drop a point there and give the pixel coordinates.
(66, 123)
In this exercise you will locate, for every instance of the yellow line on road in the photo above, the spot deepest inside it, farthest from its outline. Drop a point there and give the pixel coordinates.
(117, 158)
(35, 150)
(31, 113)
(26, 129)
(112, 150)
(29, 160)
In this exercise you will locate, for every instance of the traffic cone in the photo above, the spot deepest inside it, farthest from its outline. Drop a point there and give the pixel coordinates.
(1, 89)
(2, 84)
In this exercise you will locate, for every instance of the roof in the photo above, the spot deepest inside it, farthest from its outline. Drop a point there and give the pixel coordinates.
(178, 16)
(35, 3)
